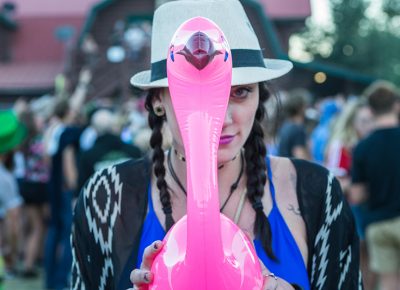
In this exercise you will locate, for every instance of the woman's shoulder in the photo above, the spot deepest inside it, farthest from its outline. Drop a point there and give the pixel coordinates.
(305, 173)
(312, 178)
(129, 173)
(313, 183)
(108, 192)
(329, 221)
(124, 180)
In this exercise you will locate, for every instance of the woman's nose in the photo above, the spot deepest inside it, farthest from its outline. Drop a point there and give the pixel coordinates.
(228, 116)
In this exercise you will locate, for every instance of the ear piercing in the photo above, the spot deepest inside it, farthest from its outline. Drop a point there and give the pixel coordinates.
(159, 111)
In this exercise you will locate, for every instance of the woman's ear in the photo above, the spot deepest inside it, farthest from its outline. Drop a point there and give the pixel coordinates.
(158, 105)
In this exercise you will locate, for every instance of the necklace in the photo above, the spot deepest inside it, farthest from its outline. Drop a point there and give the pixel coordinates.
(183, 159)
(233, 186)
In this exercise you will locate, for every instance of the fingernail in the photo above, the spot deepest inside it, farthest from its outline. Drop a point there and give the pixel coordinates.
(156, 245)
(146, 277)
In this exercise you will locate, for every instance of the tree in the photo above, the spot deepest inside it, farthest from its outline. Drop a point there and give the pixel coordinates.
(361, 37)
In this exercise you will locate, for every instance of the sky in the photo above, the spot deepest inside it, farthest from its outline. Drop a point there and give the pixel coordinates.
(320, 14)
(320, 11)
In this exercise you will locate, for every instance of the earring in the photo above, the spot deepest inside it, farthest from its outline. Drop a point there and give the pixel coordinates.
(159, 111)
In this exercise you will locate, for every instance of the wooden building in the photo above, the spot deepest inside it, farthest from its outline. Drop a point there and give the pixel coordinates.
(43, 38)
(34, 40)
(117, 33)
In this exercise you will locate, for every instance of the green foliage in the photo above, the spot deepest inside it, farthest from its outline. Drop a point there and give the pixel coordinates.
(391, 8)
(365, 41)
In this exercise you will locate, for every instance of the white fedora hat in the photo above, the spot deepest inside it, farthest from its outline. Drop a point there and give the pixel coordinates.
(249, 66)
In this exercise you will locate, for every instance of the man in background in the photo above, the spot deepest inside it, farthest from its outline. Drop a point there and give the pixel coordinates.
(376, 185)
(292, 135)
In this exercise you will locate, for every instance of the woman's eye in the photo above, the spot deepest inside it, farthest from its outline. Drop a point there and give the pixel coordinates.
(240, 92)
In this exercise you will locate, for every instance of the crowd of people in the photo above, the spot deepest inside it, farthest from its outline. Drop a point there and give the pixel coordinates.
(41, 173)
(60, 148)
(356, 138)
(51, 146)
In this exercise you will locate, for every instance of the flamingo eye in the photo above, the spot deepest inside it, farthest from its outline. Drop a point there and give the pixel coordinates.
(171, 52)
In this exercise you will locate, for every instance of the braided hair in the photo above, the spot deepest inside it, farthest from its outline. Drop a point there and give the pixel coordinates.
(156, 140)
(255, 152)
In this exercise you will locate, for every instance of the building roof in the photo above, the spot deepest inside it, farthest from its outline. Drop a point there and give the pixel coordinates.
(28, 78)
(36, 39)
(38, 50)
(52, 8)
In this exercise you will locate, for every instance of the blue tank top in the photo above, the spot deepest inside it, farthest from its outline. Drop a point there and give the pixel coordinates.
(289, 265)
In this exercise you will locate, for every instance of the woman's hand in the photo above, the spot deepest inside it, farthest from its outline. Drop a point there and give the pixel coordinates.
(141, 278)
(272, 282)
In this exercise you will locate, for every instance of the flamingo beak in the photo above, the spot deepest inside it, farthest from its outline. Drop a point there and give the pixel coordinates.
(199, 50)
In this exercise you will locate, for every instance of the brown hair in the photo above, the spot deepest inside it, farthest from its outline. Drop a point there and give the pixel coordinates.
(382, 97)
(296, 102)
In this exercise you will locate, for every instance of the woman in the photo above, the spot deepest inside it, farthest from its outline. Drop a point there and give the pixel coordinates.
(34, 190)
(352, 125)
(308, 239)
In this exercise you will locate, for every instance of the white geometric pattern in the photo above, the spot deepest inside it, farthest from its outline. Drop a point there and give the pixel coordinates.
(322, 238)
(345, 260)
(102, 215)
(101, 221)
(106, 270)
(76, 271)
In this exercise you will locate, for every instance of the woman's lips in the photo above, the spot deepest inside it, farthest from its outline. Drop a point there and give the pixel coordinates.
(226, 139)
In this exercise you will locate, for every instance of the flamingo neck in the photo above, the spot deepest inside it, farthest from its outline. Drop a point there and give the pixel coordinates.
(202, 188)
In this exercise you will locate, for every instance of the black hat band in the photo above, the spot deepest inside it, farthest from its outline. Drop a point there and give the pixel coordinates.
(240, 58)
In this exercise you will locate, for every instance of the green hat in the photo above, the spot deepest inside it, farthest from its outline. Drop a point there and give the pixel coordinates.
(12, 131)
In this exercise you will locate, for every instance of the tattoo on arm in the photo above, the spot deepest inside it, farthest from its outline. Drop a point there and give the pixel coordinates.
(296, 211)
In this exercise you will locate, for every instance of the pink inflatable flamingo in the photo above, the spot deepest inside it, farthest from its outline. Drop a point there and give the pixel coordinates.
(204, 250)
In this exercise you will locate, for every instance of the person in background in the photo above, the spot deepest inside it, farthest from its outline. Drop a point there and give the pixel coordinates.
(34, 189)
(12, 134)
(354, 123)
(376, 185)
(292, 135)
(320, 135)
(108, 148)
(62, 147)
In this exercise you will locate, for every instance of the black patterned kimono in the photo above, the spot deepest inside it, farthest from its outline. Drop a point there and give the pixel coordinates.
(113, 204)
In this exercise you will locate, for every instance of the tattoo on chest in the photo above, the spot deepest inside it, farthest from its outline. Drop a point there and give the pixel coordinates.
(295, 210)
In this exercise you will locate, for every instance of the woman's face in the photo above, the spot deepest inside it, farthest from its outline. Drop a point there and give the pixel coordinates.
(363, 121)
(239, 118)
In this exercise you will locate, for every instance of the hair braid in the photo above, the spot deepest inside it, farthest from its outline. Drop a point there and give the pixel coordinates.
(156, 140)
(255, 152)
